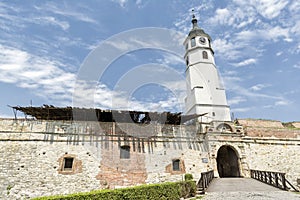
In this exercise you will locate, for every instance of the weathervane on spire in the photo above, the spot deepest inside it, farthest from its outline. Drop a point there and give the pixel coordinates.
(193, 13)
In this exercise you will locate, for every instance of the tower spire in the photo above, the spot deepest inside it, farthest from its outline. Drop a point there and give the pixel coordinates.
(194, 20)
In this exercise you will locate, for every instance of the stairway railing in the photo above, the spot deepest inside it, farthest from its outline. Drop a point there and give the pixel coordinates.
(205, 179)
(276, 179)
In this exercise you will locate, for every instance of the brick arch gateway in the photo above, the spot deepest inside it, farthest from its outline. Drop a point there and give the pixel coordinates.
(228, 162)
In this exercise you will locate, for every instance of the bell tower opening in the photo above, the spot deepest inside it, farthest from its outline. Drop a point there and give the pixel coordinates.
(228, 162)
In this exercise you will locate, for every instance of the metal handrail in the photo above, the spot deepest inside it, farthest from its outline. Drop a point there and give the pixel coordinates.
(205, 179)
(276, 179)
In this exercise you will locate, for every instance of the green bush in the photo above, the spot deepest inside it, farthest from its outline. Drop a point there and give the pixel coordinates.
(188, 177)
(188, 189)
(164, 191)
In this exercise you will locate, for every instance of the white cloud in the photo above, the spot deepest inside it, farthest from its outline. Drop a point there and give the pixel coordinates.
(170, 59)
(279, 53)
(267, 8)
(122, 3)
(246, 62)
(138, 2)
(296, 28)
(233, 16)
(255, 32)
(259, 87)
(270, 8)
(11, 17)
(28, 71)
(246, 92)
(229, 73)
(269, 33)
(240, 110)
(297, 66)
(222, 16)
(225, 48)
(51, 20)
(105, 98)
(236, 100)
(141, 3)
(282, 103)
(294, 7)
(233, 84)
(74, 11)
(45, 78)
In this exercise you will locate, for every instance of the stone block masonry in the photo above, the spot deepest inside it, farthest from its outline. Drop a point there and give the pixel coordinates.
(30, 168)
(40, 158)
(275, 156)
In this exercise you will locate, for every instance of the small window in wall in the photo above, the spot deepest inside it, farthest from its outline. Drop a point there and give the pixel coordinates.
(176, 165)
(68, 164)
(193, 42)
(187, 61)
(186, 46)
(204, 55)
(125, 152)
(213, 114)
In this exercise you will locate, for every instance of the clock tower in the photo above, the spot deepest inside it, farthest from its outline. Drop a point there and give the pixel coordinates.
(205, 92)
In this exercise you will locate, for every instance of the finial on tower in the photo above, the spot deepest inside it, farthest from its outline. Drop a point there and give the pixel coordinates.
(193, 13)
(194, 20)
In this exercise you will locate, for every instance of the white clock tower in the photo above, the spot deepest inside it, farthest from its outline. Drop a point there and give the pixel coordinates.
(205, 92)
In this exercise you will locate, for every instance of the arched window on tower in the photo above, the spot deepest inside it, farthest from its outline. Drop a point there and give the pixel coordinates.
(193, 42)
(204, 55)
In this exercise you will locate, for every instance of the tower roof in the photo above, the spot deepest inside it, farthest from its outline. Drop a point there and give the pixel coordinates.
(196, 30)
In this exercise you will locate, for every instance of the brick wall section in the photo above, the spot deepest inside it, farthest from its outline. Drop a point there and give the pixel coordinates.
(260, 123)
(115, 171)
(271, 132)
(267, 128)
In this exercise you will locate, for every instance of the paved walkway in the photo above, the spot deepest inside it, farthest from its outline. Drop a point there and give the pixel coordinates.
(245, 188)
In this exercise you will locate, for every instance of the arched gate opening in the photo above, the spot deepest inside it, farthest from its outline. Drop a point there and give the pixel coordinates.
(228, 162)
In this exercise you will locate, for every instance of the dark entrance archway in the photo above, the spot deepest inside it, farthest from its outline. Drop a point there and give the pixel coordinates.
(228, 162)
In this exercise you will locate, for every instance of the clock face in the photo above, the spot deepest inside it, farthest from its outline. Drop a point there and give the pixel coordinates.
(202, 40)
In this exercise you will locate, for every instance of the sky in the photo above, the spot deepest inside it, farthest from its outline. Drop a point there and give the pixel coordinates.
(117, 55)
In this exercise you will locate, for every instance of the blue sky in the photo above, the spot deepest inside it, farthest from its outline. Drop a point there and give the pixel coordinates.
(43, 45)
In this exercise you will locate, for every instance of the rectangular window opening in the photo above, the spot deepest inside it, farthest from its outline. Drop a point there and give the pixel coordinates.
(125, 152)
(68, 164)
(176, 165)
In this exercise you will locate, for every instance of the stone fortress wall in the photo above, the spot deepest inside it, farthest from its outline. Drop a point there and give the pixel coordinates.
(264, 145)
(33, 153)
(273, 146)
